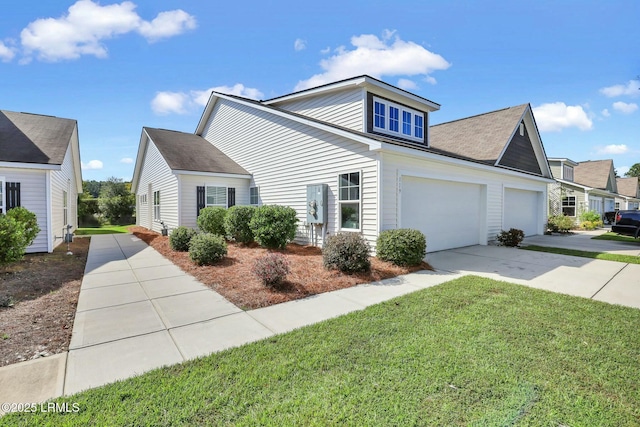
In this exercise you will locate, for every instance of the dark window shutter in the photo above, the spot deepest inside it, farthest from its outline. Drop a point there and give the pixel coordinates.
(13, 195)
(231, 197)
(201, 199)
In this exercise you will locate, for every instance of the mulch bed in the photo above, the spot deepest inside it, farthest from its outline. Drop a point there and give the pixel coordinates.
(44, 289)
(233, 279)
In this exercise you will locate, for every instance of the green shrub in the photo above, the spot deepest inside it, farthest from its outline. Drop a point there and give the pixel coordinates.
(236, 223)
(274, 226)
(211, 220)
(347, 252)
(180, 238)
(591, 225)
(402, 246)
(12, 240)
(560, 223)
(271, 269)
(590, 220)
(29, 220)
(207, 248)
(510, 238)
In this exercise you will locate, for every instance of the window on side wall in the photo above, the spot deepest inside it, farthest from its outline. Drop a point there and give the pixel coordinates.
(254, 196)
(216, 196)
(156, 205)
(569, 205)
(2, 196)
(65, 208)
(349, 190)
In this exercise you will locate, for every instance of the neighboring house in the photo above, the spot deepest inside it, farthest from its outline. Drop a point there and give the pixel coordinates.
(584, 186)
(40, 170)
(628, 193)
(370, 143)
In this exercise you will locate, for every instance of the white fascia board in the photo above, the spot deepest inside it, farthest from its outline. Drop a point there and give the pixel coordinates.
(142, 147)
(402, 96)
(17, 165)
(396, 149)
(75, 159)
(373, 145)
(317, 90)
(563, 160)
(206, 113)
(211, 174)
(574, 184)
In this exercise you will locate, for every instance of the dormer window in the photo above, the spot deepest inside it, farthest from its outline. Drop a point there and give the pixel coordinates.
(398, 120)
(567, 173)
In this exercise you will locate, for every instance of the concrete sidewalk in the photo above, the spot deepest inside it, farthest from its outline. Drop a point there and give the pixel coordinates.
(583, 240)
(137, 312)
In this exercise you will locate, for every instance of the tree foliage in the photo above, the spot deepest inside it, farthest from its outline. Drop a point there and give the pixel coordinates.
(116, 202)
(633, 170)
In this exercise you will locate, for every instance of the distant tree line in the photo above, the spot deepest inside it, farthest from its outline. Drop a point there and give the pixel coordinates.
(109, 201)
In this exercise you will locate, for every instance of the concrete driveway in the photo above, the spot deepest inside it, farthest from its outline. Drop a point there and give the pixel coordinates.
(609, 281)
(583, 240)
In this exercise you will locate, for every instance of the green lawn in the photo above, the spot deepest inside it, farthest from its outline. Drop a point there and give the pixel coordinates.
(614, 236)
(631, 259)
(105, 229)
(473, 351)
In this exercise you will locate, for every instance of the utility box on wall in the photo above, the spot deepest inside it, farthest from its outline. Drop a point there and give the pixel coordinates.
(317, 203)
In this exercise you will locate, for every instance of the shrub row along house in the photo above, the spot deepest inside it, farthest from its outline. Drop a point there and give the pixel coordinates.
(40, 171)
(590, 186)
(367, 145)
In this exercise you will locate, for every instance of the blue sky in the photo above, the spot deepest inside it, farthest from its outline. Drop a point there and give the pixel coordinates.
(118, 66)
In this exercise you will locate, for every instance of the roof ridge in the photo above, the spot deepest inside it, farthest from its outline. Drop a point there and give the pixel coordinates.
(481, 114)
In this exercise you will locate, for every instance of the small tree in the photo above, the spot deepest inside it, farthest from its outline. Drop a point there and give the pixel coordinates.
(116, 201)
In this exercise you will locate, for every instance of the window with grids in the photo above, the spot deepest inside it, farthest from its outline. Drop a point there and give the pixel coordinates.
(156, 205)
(349, 186)
(569, 205)
(254, 196)
(217, 196)
(398, 120)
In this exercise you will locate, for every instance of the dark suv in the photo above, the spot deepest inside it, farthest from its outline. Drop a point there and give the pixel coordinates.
(628, 223)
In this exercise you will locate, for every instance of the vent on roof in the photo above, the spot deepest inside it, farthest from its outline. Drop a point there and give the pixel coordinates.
(521, 129)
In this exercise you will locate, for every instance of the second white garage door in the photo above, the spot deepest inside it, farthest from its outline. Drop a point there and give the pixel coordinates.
(521, 210)
(447, 212)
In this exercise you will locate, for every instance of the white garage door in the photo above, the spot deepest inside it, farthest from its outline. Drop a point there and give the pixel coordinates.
(447, 212)
(521, 210)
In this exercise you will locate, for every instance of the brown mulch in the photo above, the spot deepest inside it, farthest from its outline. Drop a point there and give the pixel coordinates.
(233, 279)
(44, 289)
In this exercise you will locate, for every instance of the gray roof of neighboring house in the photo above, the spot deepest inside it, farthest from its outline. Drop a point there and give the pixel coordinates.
(482, 137)
(189, 152)
(34, 138)
(628, 186)
(593, 173)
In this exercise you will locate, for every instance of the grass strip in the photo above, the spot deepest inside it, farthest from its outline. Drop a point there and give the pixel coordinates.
(105, 229)
(615, 237)
(473, 351)
(630, 259)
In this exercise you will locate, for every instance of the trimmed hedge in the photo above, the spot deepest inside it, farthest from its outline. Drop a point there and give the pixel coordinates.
(207, 248)
(402, 246)
(180, 238)
(211, 220)
(274, 226)
(347, 252)
(236, 223)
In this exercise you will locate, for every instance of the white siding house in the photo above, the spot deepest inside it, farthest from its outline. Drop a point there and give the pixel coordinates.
(40, 171)
(384, 167)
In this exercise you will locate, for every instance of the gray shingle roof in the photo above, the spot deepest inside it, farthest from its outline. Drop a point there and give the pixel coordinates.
(593, 173)
(33, 138)
(628, 186)
(481, 138)
(189, 152)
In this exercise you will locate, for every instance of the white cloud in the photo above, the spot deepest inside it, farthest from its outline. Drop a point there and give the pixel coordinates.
(625, 108)
(92, 165)
(622, 170)
(632, 88)
(613, 149)
(325, 50)
(606, 113)
(182, 103)
(169, 102)
(6, 52)
(407, 84)
(299, 45)
(126, 160)
(553, 117)
(377, 57)
(87, 25)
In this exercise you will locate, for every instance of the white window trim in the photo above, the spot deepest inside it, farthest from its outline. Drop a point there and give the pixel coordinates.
(401, 110)
(226, 196)
(157, 213)
(575, 205)
(340, 202)
(565, 169)
(65, 208)
(3, 196)
(257, 195)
